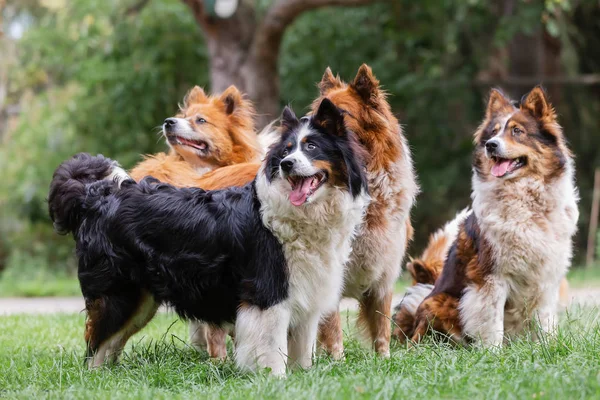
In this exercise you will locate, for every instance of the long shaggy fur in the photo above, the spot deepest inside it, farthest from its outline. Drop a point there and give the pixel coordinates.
(244, 254)
(503, 273)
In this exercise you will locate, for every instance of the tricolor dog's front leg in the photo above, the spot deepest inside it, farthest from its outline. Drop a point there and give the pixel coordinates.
(261, 338)
(482, 312)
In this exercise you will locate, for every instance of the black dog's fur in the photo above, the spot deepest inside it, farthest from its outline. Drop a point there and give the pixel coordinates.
(203, 252)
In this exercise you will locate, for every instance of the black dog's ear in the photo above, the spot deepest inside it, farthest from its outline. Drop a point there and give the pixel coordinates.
(288, 118)
(330, 118)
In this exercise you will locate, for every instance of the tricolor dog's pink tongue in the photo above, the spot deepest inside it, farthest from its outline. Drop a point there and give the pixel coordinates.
(300, 192)
(500, 167)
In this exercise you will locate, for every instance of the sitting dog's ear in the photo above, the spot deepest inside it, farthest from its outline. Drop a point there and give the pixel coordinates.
(329, 118)
(419, 272)
(288, 118)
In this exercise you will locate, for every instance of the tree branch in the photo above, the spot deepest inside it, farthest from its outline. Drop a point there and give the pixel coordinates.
(284, 12)
(197, 8)
(136, 8)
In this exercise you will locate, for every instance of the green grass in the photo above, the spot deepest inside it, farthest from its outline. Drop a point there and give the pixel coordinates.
(584, 277)
(49, 284)
(41, 357)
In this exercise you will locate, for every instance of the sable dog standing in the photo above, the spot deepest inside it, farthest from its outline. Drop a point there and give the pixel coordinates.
(381, 242)
(269, 256)
(504, 270)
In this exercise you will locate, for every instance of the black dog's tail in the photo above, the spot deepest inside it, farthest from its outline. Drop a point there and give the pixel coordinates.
(68, 190)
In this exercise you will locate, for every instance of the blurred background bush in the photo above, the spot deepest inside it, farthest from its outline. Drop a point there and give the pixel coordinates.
(100, 76)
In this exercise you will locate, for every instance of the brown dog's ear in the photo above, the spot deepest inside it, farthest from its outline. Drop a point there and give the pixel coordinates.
(329, 82)
(232, 98)
(365, 84)
(419, 272)
(536, 102)
(498, 103)
(194, 96)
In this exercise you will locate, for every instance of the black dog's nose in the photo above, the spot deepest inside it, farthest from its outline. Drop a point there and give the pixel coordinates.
(491, 145)
(170, 122)
(287, 165)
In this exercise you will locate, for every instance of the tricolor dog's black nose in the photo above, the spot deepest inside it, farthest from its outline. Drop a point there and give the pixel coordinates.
(287, 165)
(170, 122)
(491, 145)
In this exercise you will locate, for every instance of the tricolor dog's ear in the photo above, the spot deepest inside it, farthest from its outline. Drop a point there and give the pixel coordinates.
(537, 104)
(498, 103)
(288, 118)
(329, 82)
(329, 118)
(194, 96)
(365, 84)
(232, 98)
(419, 272)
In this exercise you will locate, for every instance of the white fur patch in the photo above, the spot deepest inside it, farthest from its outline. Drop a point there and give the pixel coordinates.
(413, 297)
(261, 338)
(267, 137)
(118, 175)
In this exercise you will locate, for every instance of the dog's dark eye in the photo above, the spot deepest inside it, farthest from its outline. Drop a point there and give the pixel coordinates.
(494, 131)
(310, 146)
(285, 153)
(517, 131)
(200, 120)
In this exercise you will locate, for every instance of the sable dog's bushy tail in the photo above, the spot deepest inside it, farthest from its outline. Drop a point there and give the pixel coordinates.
(69, 191)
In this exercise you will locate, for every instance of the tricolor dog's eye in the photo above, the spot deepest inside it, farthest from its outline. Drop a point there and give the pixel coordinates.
(517, 131)
(311, 146)
(285, 153)
(200, 120)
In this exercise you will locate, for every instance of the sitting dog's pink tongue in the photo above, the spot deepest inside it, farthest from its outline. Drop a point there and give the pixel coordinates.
(300, 192)
(499, 169)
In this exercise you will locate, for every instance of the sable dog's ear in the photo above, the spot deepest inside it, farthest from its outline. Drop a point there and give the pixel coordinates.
(365, 84)
(536, 102)
(194, 96)
(329, 82)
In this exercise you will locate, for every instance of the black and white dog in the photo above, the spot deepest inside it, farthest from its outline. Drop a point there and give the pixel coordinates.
(269, 256)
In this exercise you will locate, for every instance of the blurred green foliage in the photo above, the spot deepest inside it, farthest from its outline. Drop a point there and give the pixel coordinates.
(89, 77)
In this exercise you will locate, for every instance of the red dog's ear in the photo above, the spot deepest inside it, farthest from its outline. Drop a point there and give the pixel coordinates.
(365, 84)
(497, 103)
(194, 96)
(536, 102)
(232, 98)
(329, 82)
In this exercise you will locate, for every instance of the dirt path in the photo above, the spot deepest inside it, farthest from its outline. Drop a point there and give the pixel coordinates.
(49, 305)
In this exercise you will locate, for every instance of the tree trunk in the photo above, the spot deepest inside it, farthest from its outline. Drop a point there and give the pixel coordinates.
(244, 52)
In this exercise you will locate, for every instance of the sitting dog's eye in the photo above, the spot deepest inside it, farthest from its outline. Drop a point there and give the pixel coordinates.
(285, 153)
(200, 120)
(310, 146)
(517, 131)
(494, 131)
